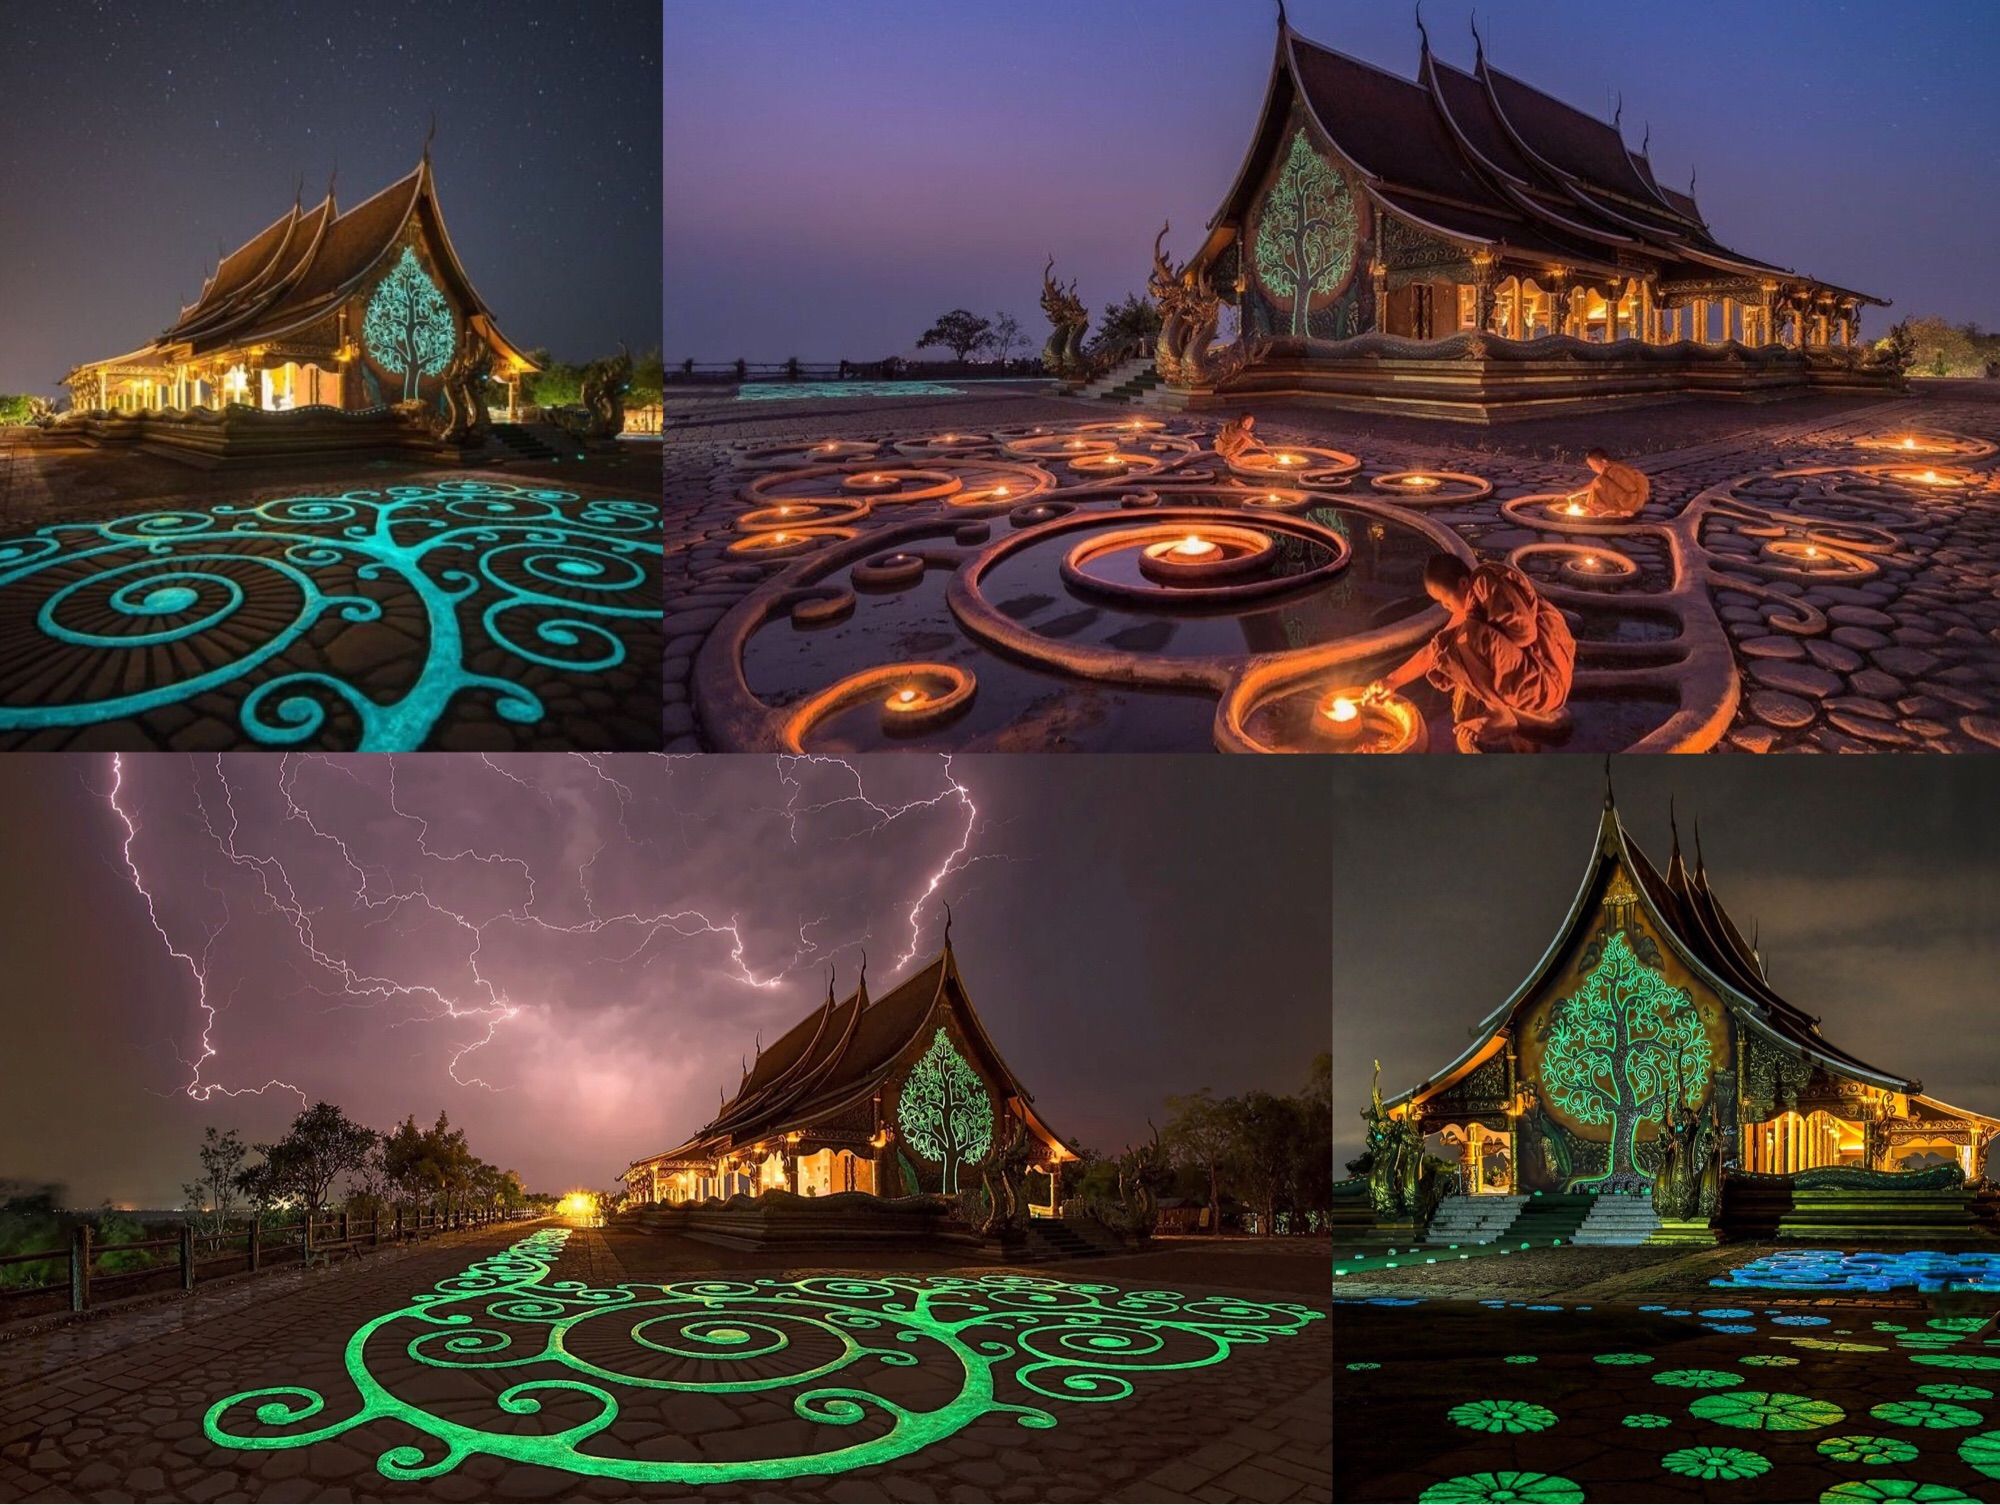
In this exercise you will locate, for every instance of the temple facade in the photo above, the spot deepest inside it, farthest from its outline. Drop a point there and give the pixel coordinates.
(895, 1096)
(1649, 1008)
(344, 309)
(1464, 245)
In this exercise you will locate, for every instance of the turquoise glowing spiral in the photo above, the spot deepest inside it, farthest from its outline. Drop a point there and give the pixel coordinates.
(120, 619)
(832, 1345)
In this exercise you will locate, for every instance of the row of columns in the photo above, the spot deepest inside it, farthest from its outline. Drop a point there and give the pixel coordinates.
(1707, 321)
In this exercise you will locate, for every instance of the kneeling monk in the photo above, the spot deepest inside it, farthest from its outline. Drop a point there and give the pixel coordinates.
(1618, 491)
(1235, 437)
(1506, 656)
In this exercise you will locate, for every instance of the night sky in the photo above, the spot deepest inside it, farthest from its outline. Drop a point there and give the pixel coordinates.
(1873, 882)
(1129, 928)
(842, 174)
(141, 139)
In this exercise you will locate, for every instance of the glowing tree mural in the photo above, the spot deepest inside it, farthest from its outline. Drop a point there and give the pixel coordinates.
(943, 1111)
(408, 324)
(1617, 1050)
(1305, 233)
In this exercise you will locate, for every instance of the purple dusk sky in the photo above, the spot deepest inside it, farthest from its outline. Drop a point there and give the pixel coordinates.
(838, 175)
(624, 929)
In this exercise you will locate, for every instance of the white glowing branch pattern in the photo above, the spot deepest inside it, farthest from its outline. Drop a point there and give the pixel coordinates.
(361, 850)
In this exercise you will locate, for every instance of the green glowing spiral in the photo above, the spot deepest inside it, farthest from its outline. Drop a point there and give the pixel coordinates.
(583, 1356)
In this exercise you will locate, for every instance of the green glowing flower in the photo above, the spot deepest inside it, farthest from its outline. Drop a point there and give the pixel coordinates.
(1957, 1324)
(1983, 1453)
(1836, 1345)
(1624, 1358)
(1697, 1379)
(1364, 1364)
(1646, 1420)
(1519, 1358)
(1768, 1360)
(1716, 1463)
(1957, 1360)
(1930, 1414)
(1474, 1489)
(1503, 1416)
(1955, 1392)
(943, 1110)
(1863, 1449)
(1767, 1411)
(1893, 1489)
(578, 1349)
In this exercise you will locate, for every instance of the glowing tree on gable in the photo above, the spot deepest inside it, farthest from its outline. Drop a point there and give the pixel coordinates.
(1305, 233)
(943, 1111)
(408, 324)
(1618, 1050)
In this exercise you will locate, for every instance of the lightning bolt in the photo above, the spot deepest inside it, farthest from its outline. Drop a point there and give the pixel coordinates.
(372, 889)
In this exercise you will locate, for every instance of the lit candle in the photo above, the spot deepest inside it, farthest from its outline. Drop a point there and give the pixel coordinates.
(1574, 509)
(906, 697)
(1340, 718)
(1000, 491)
(1812, 552)
(1420, 482)
(1909, 444)
(1288, 459)
(1194, 546)
(1272, 499)
(1590, 561)
(1076, 444)
(781, 538)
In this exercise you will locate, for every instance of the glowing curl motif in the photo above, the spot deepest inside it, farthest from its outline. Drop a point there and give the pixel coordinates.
(943, 1111)
(407, 323)
(586, 1354)
(1620, 1049)
(212, 597)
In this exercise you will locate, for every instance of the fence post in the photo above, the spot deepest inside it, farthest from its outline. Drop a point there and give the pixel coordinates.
(306, 1240)
(79, 1269)
(399, 1222)
(256, 1240)
(343, 1225)
(187, 1256)
(375, 1228)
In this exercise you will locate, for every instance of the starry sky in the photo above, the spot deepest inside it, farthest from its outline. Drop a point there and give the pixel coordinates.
(142, 139)
(574, 955)
(904, 157)
(1873, 883)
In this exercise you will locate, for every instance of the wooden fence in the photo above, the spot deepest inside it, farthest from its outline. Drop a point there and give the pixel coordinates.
(704, 373)
(186, 1257)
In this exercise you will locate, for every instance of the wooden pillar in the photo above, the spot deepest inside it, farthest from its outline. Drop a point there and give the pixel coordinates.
(79, 1269)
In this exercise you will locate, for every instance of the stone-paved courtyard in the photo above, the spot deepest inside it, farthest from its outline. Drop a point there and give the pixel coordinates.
(1188, 1372)
(1800, 581)
(1610, 1374)
(380, 607)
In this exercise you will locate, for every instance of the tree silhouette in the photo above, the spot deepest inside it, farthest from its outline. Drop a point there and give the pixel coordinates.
(1620, 1048)
(408, 324)
(961, 332)
(1305, 233)
(943, 1111)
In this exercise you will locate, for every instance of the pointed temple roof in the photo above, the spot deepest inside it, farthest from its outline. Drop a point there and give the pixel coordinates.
(840, 1055)
(1690, 919)
(1485, 158)
(307, 262)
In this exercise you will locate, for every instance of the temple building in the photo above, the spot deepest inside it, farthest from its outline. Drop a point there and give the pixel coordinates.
(896, 1096)
(346, 309)
(1464, 245)
(1650, 1004)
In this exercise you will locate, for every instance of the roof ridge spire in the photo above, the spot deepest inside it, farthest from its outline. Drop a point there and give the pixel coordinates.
(429, 135)
(1283, 24)
(1674, 826)
(1422, 32)
(1618, 116)
(1478, 43)
(947, 923)
(1610, 801)
(1699, 865)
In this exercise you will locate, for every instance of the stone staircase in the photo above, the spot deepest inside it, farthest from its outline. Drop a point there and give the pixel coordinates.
(1551, 1217)
(1128, 381)
(1618, 1220)
(521, 442)
(1473, 1220)
(1066, 1238)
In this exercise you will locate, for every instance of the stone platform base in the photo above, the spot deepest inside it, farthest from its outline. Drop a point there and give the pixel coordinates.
(239, 437)
(1480, 380)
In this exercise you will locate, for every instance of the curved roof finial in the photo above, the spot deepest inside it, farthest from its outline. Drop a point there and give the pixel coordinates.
(1646, 146)
(947, 924)
(332, 173)
(864, 969)
(1693, 173)
(1283, 24)
(1609, 802)
(1699, 865)
(1478, 42)
(1673, 825)
(1422, 32)
(299, 190)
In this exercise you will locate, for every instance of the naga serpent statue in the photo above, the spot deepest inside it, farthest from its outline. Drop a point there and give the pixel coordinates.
(1190, 309)
(1142, 1171)
(1068, 319)
(1169, 295)
(464, 395)
(1404, 1183)
(1003, 1172)
(604, 386)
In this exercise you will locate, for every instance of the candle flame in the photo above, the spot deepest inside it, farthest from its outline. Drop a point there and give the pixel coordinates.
(999, 490)
(1574, 509)
(1194, 543)
(1342, 709)
(904, 697)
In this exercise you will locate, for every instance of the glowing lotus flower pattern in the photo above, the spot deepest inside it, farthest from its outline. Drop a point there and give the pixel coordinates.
(1767, 1411)
(1503, 1416)
(1894, 1489)
(1862, 1449)
(1930, 1414)
(1983, 1453)
(1716, 1463)
(1698, 1379)
(1471, 1489)
(1646, 1420)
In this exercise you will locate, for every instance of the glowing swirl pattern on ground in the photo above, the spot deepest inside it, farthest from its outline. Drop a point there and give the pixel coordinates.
(109, 620)
(586, 1355)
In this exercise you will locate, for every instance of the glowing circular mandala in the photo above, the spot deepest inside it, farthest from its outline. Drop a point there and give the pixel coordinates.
(1471, 1489)
(1767, 1411)
(858, 1357)
(1503, 1416)
(1862, 1449)
(1929, 1414)
(1716, 1463)
(1894, 1489)
(119, 619)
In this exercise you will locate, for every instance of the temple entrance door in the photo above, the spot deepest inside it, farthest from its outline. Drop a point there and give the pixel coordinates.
(1420, 312)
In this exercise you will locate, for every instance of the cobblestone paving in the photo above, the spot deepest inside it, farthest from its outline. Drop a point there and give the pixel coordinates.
(380, 607)
(114, 1409)
(1891, 641)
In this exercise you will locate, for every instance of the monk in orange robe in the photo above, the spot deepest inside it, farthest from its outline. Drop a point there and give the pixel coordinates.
(1619, 490)
(1506, 657)
(1235, 437)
